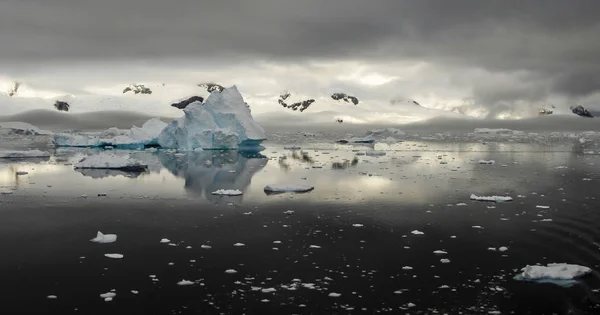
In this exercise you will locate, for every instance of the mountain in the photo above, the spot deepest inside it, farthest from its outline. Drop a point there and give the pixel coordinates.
(302, 105)
(581, 111)
(345, 97)
(211, 87)
(62, 106)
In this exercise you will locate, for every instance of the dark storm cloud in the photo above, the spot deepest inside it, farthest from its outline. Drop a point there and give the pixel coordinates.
(556, 39)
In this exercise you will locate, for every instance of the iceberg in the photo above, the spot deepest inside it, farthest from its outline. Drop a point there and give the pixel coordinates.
(222, 122)
(106, 160)
(11, 154)
(559, 274)
(134, 138)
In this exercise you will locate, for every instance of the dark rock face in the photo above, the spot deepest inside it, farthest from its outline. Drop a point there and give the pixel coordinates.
(137, 89)
(62, 106)
(211, 87)
(184, 103)
(302, 105)
(545, 112)
(345, 97)
(13, 91)
(581, 111)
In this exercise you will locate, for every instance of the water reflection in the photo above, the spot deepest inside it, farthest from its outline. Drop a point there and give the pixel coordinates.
(207, 171)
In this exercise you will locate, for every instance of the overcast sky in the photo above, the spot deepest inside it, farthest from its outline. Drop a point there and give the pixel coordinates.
(498, 55)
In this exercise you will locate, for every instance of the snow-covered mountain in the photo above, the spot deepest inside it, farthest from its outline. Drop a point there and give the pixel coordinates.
(137, 89)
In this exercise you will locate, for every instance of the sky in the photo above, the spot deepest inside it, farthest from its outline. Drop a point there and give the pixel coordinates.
(488, 58)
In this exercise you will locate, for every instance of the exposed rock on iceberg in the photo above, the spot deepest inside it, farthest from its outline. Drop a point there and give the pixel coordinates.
(560, 274)
(109, 160)
(581, 111)
(181, 104)
(133, 138)
(137, 89)
(223, 122)
(10, 154)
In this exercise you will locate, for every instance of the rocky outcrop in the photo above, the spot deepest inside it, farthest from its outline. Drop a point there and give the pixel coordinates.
(185, 102)
(302, 105)
(211, 87)
(137, 89)
(345, 97)
(62, 106)
(545, 112)
(581, 111)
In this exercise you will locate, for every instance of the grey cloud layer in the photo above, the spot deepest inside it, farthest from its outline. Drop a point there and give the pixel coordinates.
(553, 41)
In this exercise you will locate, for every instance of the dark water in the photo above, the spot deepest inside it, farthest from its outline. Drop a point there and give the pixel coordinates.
(360, 215)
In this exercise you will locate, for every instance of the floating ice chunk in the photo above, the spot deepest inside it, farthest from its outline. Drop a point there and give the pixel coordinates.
(445, 261)
(5, 191)
(335, 295)
(314, 246)
(561, 274)
(297, 188)
(239, 245)
(133, 138)
(357, 225)
(491, 198)
(543, 207)
(417, 232)
(440, 252)
(407, 268)
(487, 162)
(503, 248)
(222, 122)
(268, 290)
(108, 296)
(461, 204)
(289, 212)
(108, 160)
(21, 128)
(114, 256)
(52, 297)
(135, 291)
(227, 192)
(12, 154)
(206, 247)
(104, 238)
(375, 153)
(165, 240)
(230, 271)
(411, 305)
(185, 282)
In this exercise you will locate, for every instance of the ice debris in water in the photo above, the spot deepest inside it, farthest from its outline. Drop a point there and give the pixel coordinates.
(227, 192)
(239, 244)
(109, 160)
(491, 198)
(114, 256)
(165, 240)
(417, 232)
(543, 207)
(4, 191)
(440, 252)
(487, 162)
(108, 296)
(557, 273)
(445, 261)
(333, 294)
(14, 154)
(222, 122)
(104, 238)
(133, 138)
(503, 248)
(230, 271)
(52, 297)
(185, 282)
(282, 188)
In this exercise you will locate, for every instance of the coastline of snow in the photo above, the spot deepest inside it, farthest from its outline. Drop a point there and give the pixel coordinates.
(13, 154)
(561, 274)
(295, 188)
(22, 128)
(491, 198)
(136, 137)
(108, 160)
(224, 121)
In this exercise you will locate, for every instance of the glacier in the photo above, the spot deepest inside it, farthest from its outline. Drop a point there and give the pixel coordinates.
(133, 138)
(223, 122)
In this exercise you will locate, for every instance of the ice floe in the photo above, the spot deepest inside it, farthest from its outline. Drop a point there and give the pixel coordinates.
(417, 232)
(558, 273)
(13, 154)
(491, 198)
(185, 282)
(104, 238)
(227, 192)
(109, 160)
(114, 256)
(222, 122)
(283, 188)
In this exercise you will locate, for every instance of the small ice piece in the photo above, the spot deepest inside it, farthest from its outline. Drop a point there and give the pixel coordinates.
(185, 282)
(268, 290)
(440, 252)
(445, 261)
(104, 238)
(52, 297)
(135, 291)
(314, 246)
(558, 273)
(230, 271)
(239, 244)
(461, 204)
(407, 268)
(114, 256)
(108, 296)
(398, 292)
(444, 287)
(227, 192)
(14, 154)
(477, 227)
(108, 160)
(487, 162)
(206, 247)
(411, 305)
(283, 188)
(4, 191)
(165, 240)
(491, 198)
(335, 295)
(543, 207)
(289, 212)
(417, 232)
(357, 225)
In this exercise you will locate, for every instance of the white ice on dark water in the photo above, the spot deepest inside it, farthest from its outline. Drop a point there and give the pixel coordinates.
(114, 256)
(165, 240)
(185, 282)
(104, 238)
(109, 160)
(13, 154)
(227, 192)
(491, 198)
(123, 139)
(281, 188)
(417, 232)
(230, 271)
(557, 273)
(5, 191)
(487, 162)
(222, 122)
